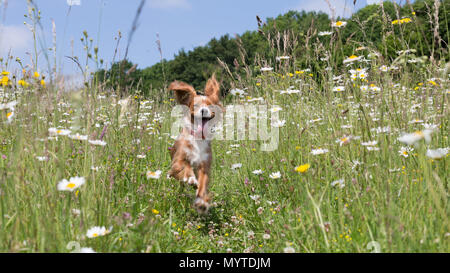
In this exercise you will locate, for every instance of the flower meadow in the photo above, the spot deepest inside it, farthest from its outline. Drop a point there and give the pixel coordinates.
(361, 158)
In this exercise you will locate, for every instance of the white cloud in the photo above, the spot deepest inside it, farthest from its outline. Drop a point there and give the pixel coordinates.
(169, 4)
(15, 37)
(341, 7)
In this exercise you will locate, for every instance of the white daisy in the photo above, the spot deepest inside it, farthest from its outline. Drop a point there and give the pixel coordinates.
(325, 33)
(236, 166)
(275, 175)
(319, 151)
(352, 58)
(258, 172)
(413, 138)
(72, 184)
(87, 250)
(264, 69)
(282, 58)
(338, 89)
(339, 24)
(237, 92)
(77, 136)
(154, 175)
(404, 151)
(97, 142)
(97, 231)
(340, 183)
(369, 143)
(58, 132)
(437, 153)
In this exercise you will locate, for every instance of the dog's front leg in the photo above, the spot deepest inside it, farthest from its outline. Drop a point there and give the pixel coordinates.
(201, 202)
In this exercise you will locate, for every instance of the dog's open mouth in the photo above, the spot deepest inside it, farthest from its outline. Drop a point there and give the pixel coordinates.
(200, 126)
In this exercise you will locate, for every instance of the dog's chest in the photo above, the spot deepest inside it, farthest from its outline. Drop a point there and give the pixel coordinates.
(198, 152)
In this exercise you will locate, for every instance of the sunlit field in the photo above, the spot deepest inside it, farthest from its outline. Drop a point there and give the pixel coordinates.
(360, 166)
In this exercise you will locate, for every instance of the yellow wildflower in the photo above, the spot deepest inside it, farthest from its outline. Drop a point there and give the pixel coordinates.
(302, 168)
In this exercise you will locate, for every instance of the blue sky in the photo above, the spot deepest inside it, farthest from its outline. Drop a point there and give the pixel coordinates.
(180, 24)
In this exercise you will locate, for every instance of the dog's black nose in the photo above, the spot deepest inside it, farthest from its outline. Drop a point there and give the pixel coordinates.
(204, 112)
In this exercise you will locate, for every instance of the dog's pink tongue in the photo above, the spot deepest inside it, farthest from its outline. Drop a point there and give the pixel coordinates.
(199, 131)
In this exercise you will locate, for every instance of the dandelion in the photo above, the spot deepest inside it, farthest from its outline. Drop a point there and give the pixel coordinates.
(36, 75)
(438, 153)
(4, 81)
(23, 83)
(401, 21)
(72, 184)
(302, 168)
(339, 24)
(155, 211)
(275, 175)
(96, 231)
(154, 175)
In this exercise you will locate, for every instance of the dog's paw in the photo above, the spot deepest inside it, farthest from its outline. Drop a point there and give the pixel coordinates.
(192, 181)
(201, 205)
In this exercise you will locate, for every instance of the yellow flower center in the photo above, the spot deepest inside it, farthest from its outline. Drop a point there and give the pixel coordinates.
(9, 114)
(339, 23)
(71, 185)
(94, 235)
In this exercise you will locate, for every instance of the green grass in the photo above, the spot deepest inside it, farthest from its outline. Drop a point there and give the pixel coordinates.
(404, 210)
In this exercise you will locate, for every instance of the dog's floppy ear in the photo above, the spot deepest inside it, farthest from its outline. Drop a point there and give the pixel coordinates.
(184, 93)
(212, 89)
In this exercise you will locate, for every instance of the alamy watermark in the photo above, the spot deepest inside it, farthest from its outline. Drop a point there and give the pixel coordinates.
(235, 122)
